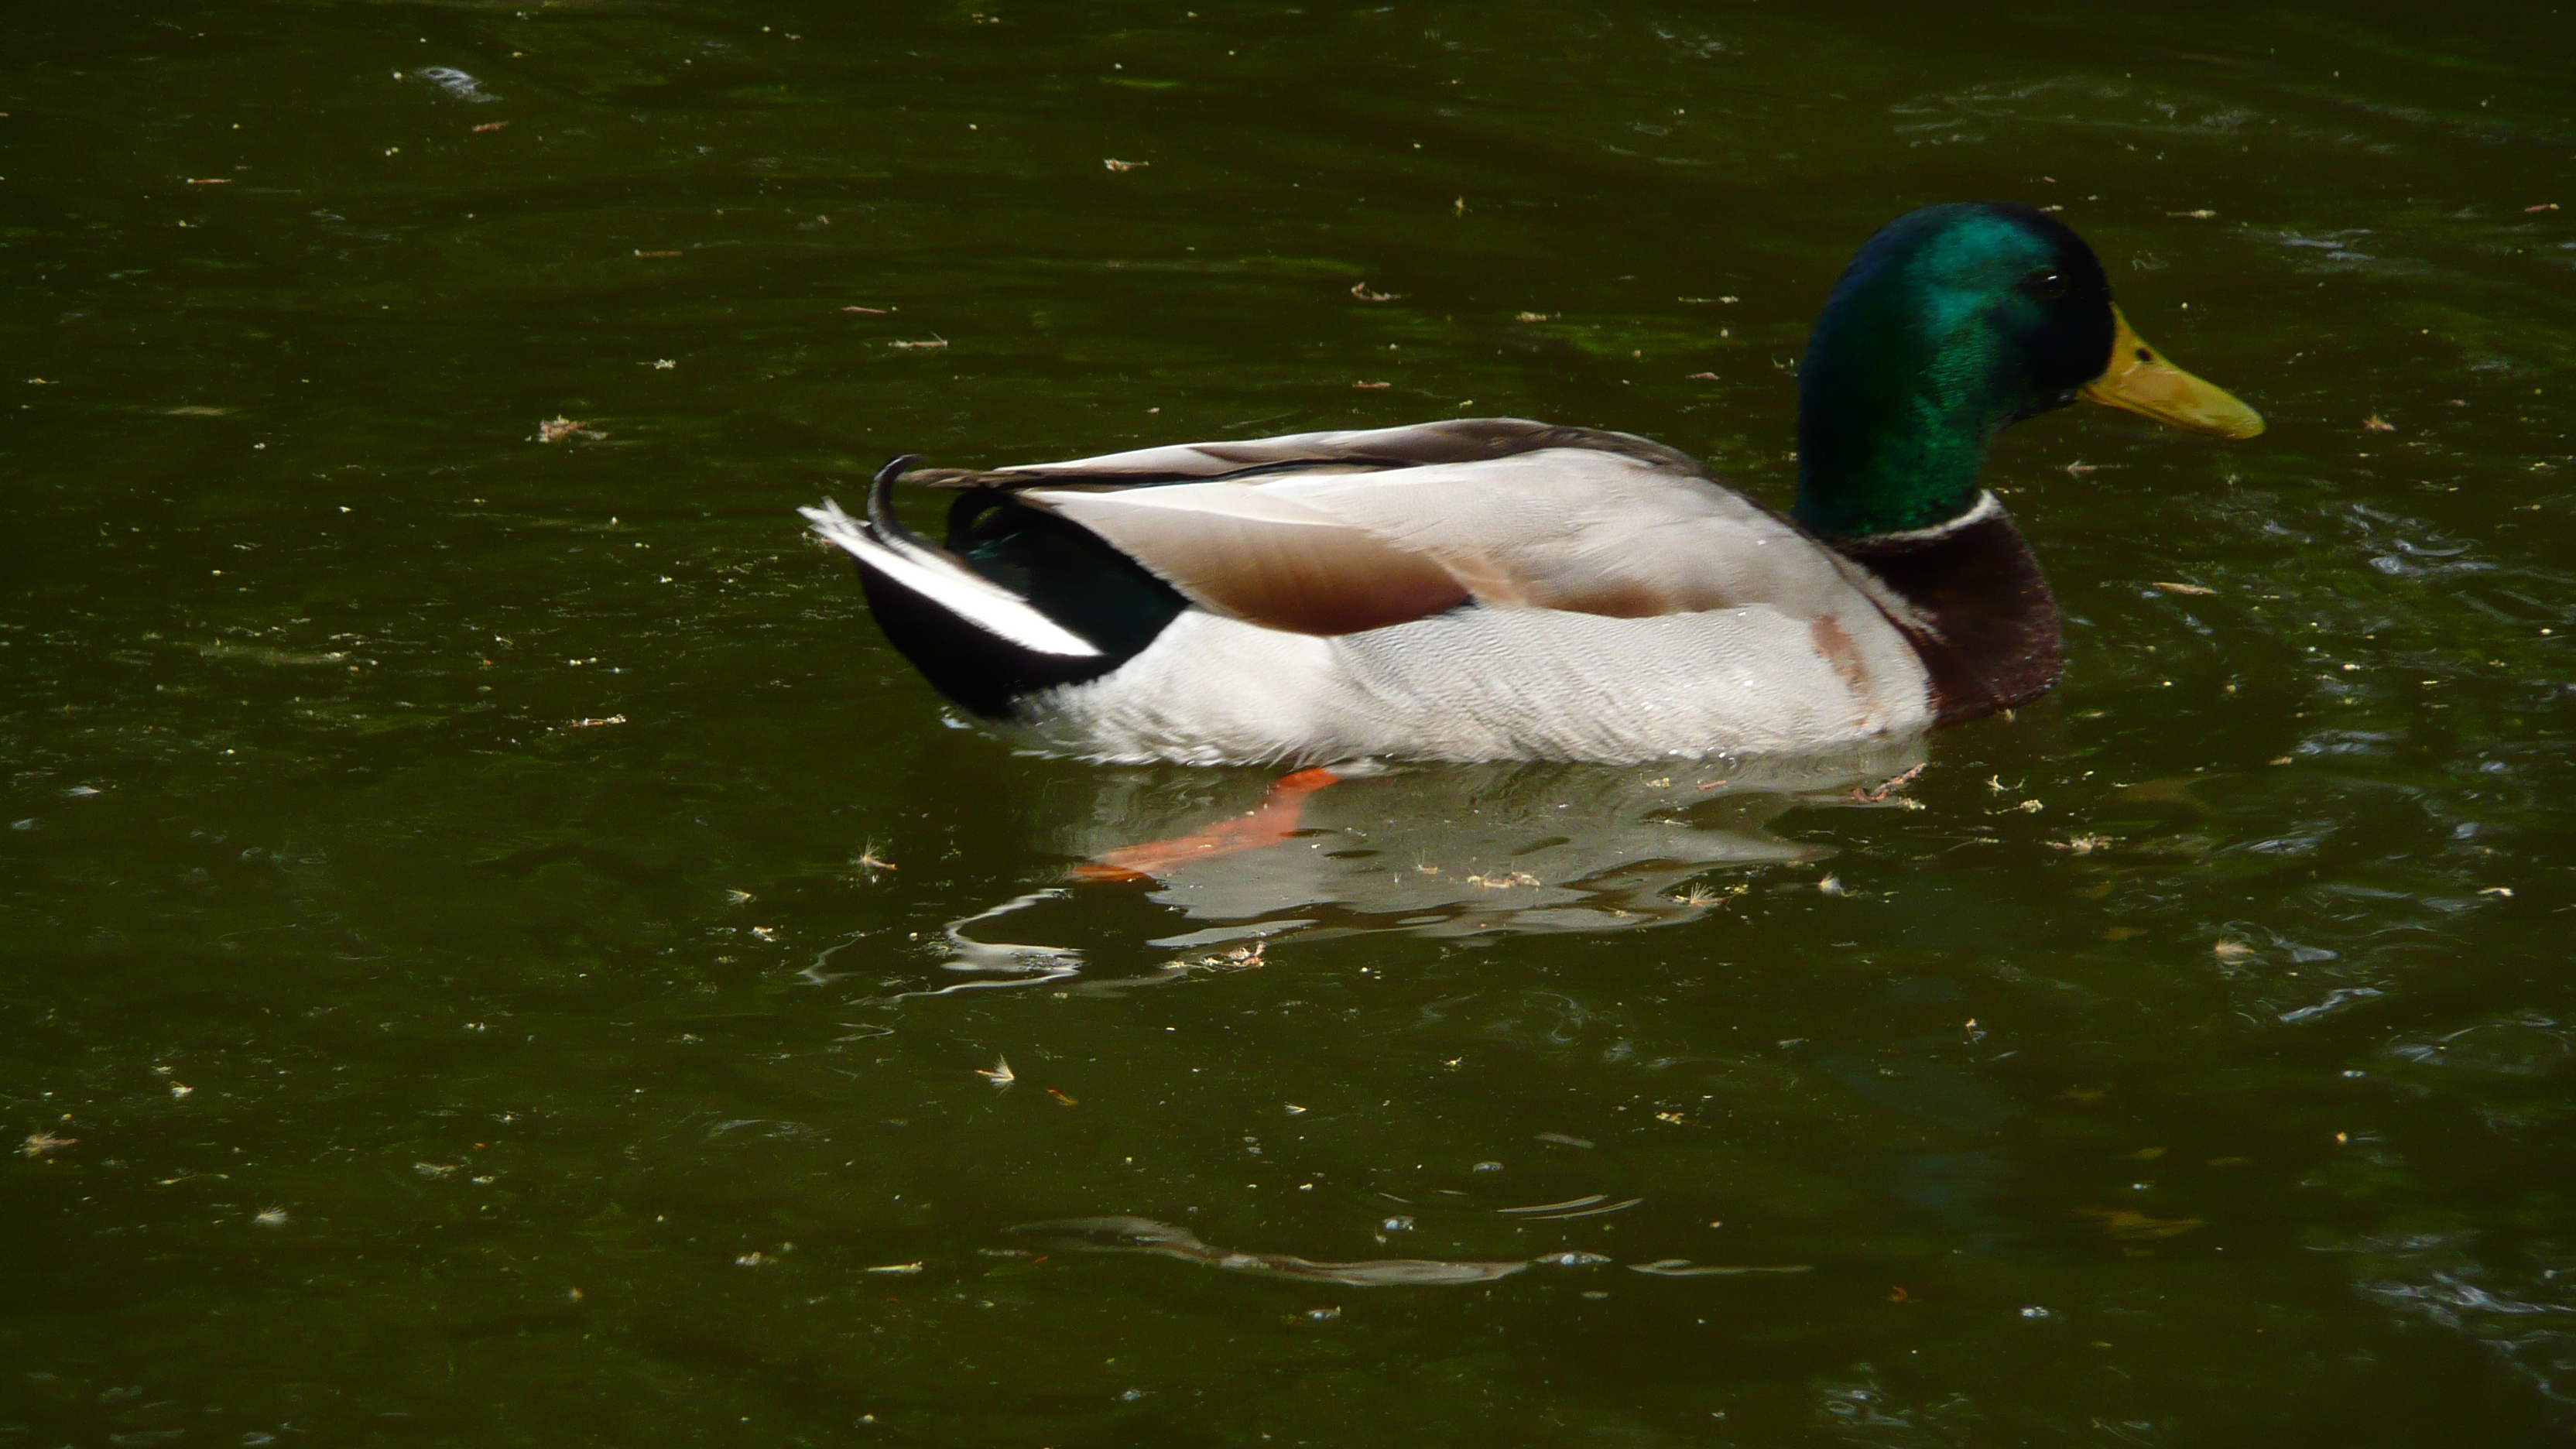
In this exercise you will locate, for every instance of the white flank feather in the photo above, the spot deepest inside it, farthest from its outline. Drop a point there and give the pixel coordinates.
(968, 595)
(1492, 684)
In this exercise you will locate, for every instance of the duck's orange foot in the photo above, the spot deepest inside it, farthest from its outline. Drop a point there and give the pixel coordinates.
(1268, 823)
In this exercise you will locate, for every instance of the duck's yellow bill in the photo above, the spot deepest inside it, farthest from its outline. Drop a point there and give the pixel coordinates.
(2140, 380)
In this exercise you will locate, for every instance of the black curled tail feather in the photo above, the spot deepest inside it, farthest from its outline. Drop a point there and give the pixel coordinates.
(881, 499)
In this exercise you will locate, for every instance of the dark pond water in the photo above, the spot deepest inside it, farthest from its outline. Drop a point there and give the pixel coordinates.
(499, 951)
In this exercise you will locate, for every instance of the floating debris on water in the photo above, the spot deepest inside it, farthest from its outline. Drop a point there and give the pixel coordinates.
(456, 83)
(1685, 1268)
(2130, 1223)
(1560, 1205)
(1578, 1207)
(260, 654)
(1240, 958)
(1143, 1235)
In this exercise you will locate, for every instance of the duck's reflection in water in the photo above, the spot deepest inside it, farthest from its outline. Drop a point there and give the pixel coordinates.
(1430, 850)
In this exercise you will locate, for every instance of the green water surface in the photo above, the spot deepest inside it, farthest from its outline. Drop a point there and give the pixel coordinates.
(499, 951)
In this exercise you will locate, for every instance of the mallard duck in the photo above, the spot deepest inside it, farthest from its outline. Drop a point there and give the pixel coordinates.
(1495, 588)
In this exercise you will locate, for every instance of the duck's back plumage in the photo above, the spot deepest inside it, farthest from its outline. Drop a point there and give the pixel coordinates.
(1466, 590)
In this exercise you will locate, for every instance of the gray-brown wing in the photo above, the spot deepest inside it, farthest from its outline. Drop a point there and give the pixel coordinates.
(1456, 440)
(1334, 533)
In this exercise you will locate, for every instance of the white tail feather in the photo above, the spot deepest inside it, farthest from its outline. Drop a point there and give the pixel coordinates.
(968, 595)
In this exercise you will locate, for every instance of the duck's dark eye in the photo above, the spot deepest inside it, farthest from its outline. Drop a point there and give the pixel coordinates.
(2048, 286)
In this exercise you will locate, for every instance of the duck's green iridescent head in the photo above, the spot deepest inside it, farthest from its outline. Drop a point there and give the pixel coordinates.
(1953, 323)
